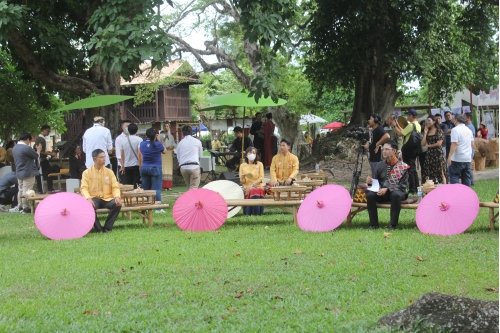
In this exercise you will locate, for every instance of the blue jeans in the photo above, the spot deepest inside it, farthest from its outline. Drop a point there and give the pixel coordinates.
(461, 171)
(151, 180)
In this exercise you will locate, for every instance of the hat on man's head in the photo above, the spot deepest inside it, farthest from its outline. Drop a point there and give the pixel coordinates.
(412, 112)
(483, 123)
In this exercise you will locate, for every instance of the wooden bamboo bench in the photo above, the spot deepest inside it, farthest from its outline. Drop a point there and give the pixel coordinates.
(361, 206)
(282, 204)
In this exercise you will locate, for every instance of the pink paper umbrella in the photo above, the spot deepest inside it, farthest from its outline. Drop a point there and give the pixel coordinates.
(200, 210)
(324, 209)
(64, 216)
(447, 210)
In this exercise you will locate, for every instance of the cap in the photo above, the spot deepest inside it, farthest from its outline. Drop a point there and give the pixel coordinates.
(483, 123)
(413, 112)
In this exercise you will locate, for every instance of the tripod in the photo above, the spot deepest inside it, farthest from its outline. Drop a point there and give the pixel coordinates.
(358, 168)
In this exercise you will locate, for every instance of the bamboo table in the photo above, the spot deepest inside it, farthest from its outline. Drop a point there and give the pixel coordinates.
(300, 190)
(310, 183)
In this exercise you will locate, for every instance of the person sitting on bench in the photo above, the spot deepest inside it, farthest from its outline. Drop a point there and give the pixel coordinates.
(101, 189)
(9, 188)
(392, 176)
(285, 166)
(238, 132)
(252, 178)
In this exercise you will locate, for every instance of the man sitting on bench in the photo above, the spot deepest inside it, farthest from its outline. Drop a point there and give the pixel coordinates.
(101, 189)
(285, 166)
(392, 175)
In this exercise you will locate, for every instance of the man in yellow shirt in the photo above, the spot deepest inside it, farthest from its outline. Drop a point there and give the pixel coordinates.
(285, 165)
(101, 189)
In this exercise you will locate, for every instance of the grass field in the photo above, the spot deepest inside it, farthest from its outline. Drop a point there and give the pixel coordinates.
(253, 274)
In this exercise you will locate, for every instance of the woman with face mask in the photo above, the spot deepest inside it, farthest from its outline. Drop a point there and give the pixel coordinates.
(252, 178)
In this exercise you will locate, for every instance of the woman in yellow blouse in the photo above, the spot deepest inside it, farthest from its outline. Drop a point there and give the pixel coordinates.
(252, 178)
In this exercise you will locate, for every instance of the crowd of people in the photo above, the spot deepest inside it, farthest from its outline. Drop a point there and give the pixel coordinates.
(444, 152)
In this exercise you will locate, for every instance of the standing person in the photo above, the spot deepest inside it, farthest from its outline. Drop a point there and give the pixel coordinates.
(97, 137)
(252, 179)
(120, 142)
(377, 138)
(9, 158)
(481, 133)
(101, 189)
(285, 166)
(129, 156)
(434, 165)
(76, 162)
(422, 155)
(410, 155)
(308, 138)
(189, 151)
(236, 147)
(257, 130)
(450, 124)
(468, 123)
(270, 141)
(390, 121)
(167, 162)
(392, 175)
(44, 162)
(459, 158)
(9, 188)
(26, 160)
(150, 151)
(444, 129)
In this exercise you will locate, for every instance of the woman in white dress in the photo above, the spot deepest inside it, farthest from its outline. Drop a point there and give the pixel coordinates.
(168, 141)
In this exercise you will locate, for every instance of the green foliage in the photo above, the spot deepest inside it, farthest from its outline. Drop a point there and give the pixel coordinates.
(206, 137)
(126, 33)
(11, 17)
(228, 138)
(25, 106)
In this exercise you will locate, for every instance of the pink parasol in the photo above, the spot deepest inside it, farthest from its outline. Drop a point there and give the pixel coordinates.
(200, 210)
(324, 209)
(447, 210)
(64, 216)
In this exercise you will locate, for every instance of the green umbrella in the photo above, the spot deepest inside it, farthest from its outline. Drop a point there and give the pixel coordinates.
(95, 101)
(242, 99)
(214, 107)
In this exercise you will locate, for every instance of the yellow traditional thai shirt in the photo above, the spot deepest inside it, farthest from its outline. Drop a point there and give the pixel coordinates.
(256, 170)
(216, 144)
(284, 167)
(100, 184)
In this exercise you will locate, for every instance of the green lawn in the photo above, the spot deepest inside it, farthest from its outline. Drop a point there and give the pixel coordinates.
(253, 274)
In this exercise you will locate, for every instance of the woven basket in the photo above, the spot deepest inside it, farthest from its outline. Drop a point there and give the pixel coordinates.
(428, 186)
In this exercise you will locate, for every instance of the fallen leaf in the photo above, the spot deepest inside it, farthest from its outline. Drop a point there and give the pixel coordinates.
(493, 289)
(123, 270)
(31, 228)
(363, 263)
(238, 255)
(86, 312)
(278, 297)
(95, 312)
(322, 254)
(416, 275)
(165, 225)
(331, 263)
(231, 310)
(284, 258)
(354, 278)
(249, 290)
(266, 227)
(387, 234)
(108, 313)
(419, 258)
(238, 295)
(33, 251)
(386, 247)
(222, 260)
(224, 316)
(144, 295)
(410, 300)
(217, 231)
(139, 262)
(336, 310)
(297, 251)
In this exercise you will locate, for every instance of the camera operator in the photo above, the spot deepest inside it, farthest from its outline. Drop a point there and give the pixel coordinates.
(377, 138)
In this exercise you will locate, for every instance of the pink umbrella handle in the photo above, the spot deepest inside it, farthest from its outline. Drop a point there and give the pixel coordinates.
(199, 205)
(320, 204)
(64, 212)
(444, 206)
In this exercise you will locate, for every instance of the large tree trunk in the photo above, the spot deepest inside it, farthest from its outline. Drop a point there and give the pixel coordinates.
(374, 93)
(288, 125)
(108, 84)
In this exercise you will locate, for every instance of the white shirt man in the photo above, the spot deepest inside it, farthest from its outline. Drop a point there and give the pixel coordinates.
(120, 141)
(189, 151)
(460, 157)
(97, 137)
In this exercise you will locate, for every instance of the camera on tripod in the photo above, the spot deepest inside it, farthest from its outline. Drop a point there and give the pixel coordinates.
(358, 133)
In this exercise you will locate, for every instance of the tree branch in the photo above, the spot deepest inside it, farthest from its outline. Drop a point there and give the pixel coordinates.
(75, 85)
